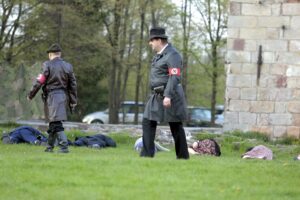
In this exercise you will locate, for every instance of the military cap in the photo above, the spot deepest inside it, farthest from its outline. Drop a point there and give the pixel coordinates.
(54, 48)
(158, 32)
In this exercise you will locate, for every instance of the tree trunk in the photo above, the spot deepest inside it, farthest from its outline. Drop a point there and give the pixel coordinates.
(214, 83)
(114, 93)
(122, 77)
(186, 28)
(138, 73)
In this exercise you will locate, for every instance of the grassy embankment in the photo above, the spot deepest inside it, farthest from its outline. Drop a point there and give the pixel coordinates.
(119, 173)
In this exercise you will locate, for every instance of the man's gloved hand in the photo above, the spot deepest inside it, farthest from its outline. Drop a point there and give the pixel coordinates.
(167, 102)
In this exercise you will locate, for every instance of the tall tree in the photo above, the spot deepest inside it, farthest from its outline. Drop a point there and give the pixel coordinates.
(212, 23)
(142, 6)
(186, 25)
(11, 40)
(115, 70)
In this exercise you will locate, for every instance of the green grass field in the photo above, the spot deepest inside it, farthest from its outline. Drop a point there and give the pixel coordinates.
(119, 173)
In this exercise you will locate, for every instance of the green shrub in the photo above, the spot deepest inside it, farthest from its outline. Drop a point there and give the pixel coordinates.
(206, 135)
(250, 135)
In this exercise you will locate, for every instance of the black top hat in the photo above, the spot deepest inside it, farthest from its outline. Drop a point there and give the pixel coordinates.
(54, 48)
(157, 32)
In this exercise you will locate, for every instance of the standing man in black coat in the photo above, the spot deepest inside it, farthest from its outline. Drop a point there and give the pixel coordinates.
(167, 102)
(59, 90)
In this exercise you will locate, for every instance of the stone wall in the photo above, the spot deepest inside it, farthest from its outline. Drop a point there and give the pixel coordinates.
(265, 98)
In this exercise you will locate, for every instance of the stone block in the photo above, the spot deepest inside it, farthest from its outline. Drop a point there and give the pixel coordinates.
(279, 131)
(235, 8)
(268, 130)
(250, 33)
(235, 68)
(294, 45)
(280, 119)
(291, 58)
(262, 82)
(230, 43)
(250, 45)
(238, 80)
(272, 81)
(238, 56)
(234, 127)
(233, 32)
(291, 34)
(292, 83)
(265, 94)
(293, 70)
(256, 10)
(276, 9)
(249, 68)
(278, 69)
(294, 107)
(273, 21)
(232, 93)
(273, 33)
(292, 1)
(242, 21)
(296, 95)
(262, 120)
(281, 107)
(247, 118)
(248, 93)
(295, 22)
(284, 94)
(273, 1)
(231, 117)
(238, 44)
(274, 45)
(281, 81)
(268, 57)
(293, 131)
(296, 120)
(262, 107)
(239, 106)
(291, 9)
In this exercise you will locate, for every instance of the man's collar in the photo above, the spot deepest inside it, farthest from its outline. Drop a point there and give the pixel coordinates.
(163, 49)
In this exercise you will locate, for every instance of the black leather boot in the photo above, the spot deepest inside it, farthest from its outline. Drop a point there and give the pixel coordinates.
(62, 142)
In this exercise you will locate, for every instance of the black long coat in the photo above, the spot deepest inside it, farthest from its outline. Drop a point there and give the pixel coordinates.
(166, 70)
(59, 86)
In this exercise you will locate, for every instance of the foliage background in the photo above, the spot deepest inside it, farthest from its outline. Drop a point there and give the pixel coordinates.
(86, 32)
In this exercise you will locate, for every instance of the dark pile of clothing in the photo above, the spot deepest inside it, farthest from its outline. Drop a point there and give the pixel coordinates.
(95, 141)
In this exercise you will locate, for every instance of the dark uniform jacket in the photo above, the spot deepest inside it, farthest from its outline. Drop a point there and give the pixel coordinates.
(98, 140)
(166, 70)
(24, 134)
(59, 87)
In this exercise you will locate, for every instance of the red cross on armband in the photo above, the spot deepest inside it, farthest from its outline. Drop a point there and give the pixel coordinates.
(174, 71)
(41, 78)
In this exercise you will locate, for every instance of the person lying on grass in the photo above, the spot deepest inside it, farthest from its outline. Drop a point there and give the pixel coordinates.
(205, 147)
(258, 152)
(139, 145)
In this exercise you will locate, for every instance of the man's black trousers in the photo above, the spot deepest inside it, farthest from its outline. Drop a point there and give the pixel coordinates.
(149, 130)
